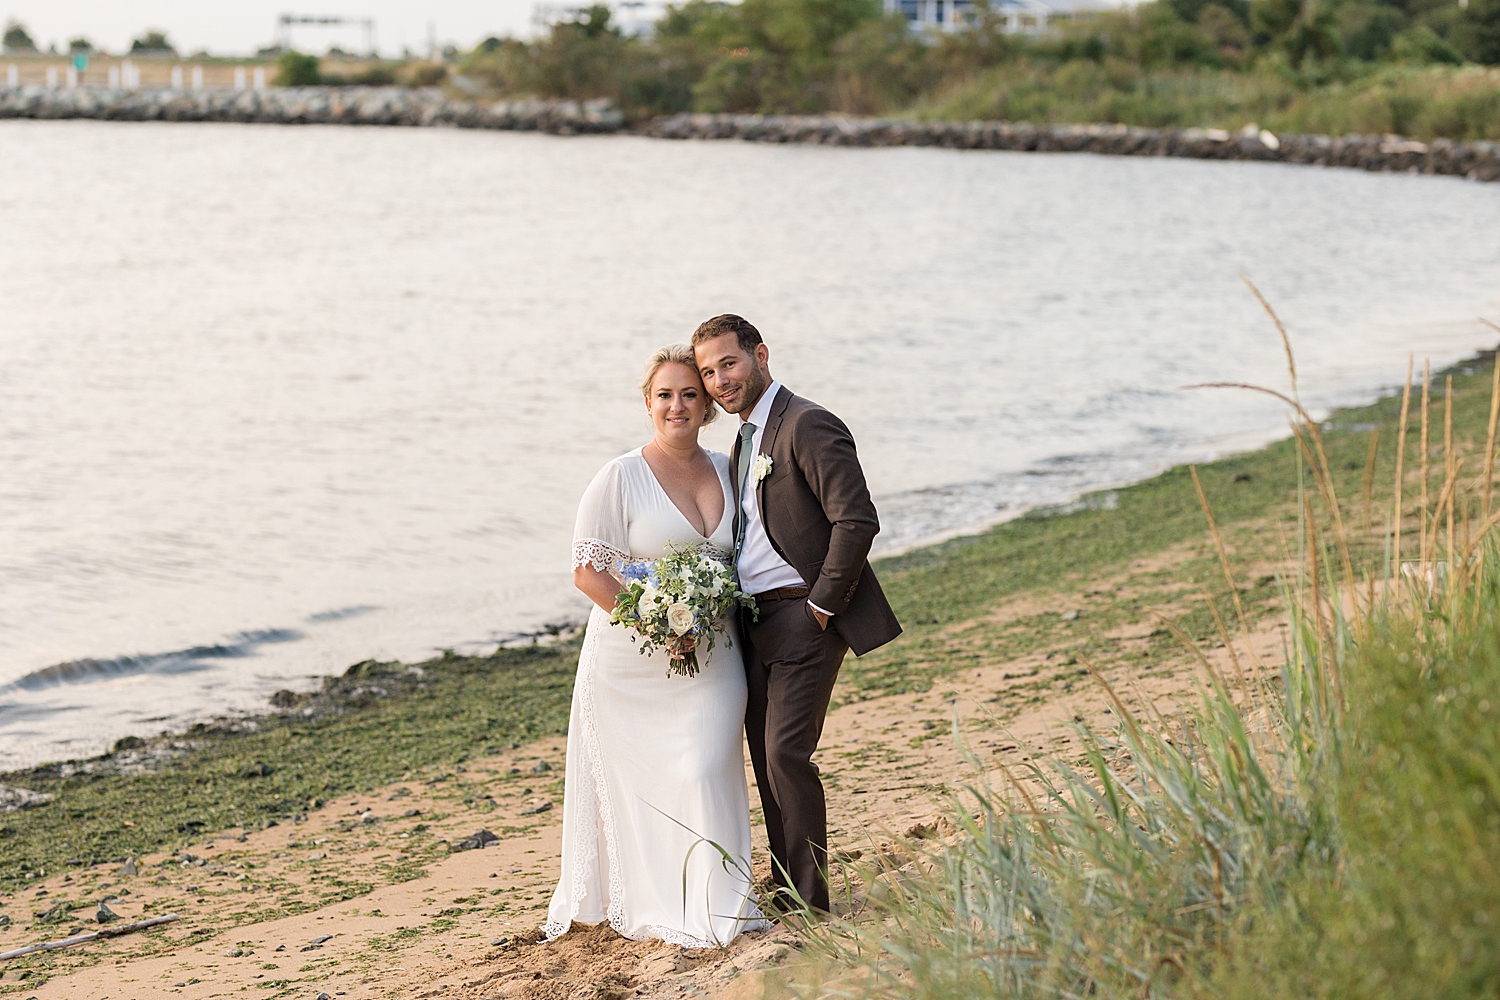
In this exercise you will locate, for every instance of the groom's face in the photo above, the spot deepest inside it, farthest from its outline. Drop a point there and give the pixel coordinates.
(733, 377)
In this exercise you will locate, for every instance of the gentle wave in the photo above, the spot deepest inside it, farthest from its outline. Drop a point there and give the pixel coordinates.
(176, 662)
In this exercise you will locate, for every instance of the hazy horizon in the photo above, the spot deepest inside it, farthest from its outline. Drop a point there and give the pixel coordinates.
(241, 28)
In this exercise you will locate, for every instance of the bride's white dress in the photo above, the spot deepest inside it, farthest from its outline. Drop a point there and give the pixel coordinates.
(656, 774)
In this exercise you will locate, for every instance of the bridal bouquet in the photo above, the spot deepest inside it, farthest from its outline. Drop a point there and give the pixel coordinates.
(685, 596)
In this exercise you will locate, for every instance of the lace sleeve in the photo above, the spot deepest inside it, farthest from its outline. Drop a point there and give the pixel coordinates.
(601, 535)
(599, 554)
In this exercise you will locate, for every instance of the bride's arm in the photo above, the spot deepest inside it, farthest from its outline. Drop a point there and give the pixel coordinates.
(602, 589)
(598, 586)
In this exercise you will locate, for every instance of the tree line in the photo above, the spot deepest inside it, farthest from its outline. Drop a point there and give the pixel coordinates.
(1167, 62)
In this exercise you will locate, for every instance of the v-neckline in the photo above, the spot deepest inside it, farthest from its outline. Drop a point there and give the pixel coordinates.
(728, 499)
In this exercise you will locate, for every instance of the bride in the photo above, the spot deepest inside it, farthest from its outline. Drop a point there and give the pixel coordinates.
(655, 782)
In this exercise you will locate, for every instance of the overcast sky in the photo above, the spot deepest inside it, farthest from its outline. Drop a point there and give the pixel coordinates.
(242, 26)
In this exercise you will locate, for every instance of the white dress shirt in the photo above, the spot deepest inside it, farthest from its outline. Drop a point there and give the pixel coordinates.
(761, 568)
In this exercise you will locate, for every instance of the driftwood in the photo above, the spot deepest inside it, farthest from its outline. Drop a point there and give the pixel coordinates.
(103, 932)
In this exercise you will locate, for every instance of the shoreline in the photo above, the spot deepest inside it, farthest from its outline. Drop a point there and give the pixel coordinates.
(398, 107)
(561, 635)
(1000, 627)
(561, 629)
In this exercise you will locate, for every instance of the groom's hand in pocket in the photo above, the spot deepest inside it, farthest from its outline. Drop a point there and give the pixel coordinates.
(819, 617)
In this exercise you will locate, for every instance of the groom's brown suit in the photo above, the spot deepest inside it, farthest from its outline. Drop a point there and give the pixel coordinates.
(818, 516)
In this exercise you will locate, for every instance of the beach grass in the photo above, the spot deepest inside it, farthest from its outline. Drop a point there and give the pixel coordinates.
(1326, 827)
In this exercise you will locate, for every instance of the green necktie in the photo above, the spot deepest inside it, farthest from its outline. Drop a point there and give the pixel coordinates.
(742, 475)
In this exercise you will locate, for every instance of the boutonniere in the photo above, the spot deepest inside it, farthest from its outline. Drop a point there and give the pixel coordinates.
(761, 468)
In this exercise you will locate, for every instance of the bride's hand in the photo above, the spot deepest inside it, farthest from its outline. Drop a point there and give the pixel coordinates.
(682, 646)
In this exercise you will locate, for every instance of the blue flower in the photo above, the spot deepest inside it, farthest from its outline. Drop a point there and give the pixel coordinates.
(635, 571)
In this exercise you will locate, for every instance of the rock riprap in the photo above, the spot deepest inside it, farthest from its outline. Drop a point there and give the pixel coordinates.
(310, 106)
(396, 106)
(1475, 160)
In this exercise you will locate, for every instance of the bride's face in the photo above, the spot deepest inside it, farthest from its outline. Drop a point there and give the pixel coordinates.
(677, 404)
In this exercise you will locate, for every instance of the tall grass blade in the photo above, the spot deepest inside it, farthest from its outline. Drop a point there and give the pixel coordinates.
(1422, 554)
(1401, 457)
(1489, 441)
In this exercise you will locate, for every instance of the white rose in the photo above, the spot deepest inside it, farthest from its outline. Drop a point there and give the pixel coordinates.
(680, 617)
(761, 467)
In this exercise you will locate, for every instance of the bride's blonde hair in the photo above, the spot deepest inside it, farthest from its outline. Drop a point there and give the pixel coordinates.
(677, 354)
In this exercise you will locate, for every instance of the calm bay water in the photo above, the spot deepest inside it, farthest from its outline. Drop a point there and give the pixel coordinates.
(275, 400)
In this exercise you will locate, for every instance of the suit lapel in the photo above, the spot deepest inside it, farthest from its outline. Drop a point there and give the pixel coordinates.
(767, 439)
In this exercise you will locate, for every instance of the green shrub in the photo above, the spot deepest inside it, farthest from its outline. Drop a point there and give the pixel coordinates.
(424, 74)
(152, 41)
(1477, 32)
(1423, 46)
(294, 69)
(17, 37)
(374, 76)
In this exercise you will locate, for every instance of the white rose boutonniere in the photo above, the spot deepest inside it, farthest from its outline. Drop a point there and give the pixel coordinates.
(680, 618)
(761, 467)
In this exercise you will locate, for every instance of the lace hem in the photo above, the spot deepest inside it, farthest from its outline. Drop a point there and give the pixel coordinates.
(594, 803)
(599, 554)
(670, 936)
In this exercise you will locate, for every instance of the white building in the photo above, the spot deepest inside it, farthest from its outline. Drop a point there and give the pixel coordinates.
(1029, 17)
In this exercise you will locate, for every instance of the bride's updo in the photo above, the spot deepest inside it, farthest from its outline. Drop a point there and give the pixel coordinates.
(676, 354)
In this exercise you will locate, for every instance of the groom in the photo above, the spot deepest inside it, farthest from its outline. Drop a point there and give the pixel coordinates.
(803, 527)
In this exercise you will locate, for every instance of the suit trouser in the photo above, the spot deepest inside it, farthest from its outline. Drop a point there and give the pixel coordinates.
(791, 665)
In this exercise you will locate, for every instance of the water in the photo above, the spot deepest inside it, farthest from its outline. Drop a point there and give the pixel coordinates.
(275, 400)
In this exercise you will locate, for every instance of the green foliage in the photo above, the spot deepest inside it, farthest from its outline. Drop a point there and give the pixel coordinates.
(295, 69)
(152, 41)
(1423, 46)
(374, 76)
(1408, 906)
(424, 74)
(1160, 63)
(1477, 32)
(1327, 828)
(1423, 101)
(776, 55)
(879, 65)
(581, 59)
(17, 37)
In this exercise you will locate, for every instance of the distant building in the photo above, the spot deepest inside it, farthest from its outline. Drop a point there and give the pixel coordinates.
(1029, 17)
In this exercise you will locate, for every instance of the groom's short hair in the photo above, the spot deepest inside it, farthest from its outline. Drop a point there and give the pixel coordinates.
(744, 332)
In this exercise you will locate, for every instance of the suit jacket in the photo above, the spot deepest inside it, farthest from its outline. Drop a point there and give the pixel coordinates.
(819, 517)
